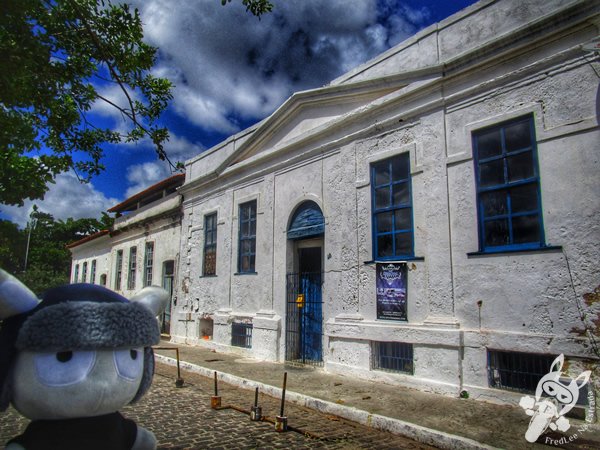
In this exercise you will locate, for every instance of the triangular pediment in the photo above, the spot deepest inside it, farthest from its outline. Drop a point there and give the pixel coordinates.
(307, 112)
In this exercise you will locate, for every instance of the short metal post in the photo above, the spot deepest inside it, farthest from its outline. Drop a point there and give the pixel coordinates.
(256, 411)
(215, 400)
(281, 420)
(179, 381)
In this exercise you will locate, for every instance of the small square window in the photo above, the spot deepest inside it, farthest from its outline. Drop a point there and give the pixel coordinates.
(393, 357)
(241, 335)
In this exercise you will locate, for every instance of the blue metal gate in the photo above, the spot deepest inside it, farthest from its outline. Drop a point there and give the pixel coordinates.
(304, 319)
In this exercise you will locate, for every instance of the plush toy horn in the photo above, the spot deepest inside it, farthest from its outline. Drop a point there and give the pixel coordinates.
(154, 298)
(15, 297)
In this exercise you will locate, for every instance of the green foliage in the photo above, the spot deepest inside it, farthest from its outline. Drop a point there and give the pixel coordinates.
(49, 260)
(256, 7)
(54, 54)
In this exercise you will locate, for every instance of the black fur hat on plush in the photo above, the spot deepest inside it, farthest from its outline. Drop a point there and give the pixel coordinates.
(81, 317)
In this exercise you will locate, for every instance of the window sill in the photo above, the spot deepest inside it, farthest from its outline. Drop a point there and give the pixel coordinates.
(399, 260)
(208, 276)
(246, 273)
(549, 248)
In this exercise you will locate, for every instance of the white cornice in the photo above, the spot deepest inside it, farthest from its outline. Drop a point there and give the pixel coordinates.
(398, 90)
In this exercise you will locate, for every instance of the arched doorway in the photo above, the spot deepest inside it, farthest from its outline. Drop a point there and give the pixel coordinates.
(304, 309)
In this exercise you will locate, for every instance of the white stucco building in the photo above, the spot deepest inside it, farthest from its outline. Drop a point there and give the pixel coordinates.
(465, 161)
(140, 249)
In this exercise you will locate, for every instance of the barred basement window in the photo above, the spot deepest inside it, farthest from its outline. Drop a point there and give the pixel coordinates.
(393, 357)
(516, 371)
(241, 335)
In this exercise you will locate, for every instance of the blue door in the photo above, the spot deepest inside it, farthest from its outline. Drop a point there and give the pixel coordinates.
(304, 322)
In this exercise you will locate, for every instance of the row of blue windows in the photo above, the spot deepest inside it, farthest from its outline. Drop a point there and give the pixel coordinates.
(508, 194)
(508, 201)
(246, 240)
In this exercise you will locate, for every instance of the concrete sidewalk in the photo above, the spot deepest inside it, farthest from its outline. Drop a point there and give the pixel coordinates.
(432, 419)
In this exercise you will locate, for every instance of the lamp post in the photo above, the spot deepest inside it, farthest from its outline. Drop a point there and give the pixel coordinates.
(31, 223)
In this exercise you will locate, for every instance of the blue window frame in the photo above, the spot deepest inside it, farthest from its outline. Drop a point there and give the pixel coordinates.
(392, 208)
(508, 187)
(209, 268)
(247, 238)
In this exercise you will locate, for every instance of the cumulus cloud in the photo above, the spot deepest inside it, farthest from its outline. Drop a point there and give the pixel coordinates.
(141, 176)
(68, 197)
(230, 67)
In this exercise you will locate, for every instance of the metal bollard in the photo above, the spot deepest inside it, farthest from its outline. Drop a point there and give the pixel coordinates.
(179, 380)
(256, 411)
(281, 420)
(215, 400)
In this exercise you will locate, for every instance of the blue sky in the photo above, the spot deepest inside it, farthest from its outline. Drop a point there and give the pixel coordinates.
(231, 70)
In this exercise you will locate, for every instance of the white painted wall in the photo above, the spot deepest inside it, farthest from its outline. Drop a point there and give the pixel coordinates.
(497, 66)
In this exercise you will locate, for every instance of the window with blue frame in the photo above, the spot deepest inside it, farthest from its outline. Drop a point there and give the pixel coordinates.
(209, 267)
(508, 187)
(392, 208)
(247, 238)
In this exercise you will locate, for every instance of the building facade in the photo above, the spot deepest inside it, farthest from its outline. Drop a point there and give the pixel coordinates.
(429, 218)
(141, 248)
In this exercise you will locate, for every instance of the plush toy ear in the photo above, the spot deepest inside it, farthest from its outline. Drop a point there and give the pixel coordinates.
(154, 298)
(15, 297)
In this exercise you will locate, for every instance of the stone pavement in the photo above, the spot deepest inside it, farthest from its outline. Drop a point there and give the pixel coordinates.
(182, 418)
(437, 420)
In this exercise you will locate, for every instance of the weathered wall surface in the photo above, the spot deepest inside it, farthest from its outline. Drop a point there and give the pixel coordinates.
(460, 302)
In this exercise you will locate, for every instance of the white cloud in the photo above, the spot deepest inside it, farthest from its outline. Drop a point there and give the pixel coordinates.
(68, 197)
(228, 66)
(140, 176)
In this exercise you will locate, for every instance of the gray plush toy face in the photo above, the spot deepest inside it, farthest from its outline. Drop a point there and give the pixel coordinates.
(61, 385)
(84, 351)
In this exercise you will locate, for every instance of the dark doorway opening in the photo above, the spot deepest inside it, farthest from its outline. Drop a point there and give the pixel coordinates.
(304, 309)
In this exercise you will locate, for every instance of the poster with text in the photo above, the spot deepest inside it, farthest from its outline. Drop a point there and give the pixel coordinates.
(391, 291)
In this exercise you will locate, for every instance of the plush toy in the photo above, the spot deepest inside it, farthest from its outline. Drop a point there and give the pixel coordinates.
(71, 360)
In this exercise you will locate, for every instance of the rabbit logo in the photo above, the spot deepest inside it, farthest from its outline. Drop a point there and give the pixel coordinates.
(554, 397)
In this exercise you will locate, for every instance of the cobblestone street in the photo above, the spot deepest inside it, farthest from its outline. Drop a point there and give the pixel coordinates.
(182, 418)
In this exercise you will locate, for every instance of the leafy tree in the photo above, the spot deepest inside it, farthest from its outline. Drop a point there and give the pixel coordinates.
(49, 260)
(54, 55)
(55, 52)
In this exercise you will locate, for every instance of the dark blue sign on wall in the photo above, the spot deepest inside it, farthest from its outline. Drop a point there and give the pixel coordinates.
(391, 291)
